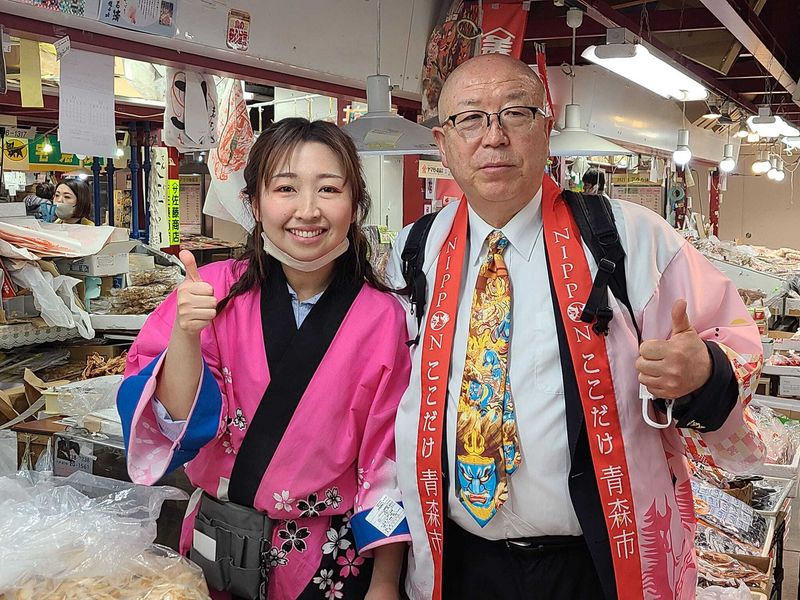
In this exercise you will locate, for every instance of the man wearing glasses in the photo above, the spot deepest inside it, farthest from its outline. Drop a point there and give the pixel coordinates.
(533, 460)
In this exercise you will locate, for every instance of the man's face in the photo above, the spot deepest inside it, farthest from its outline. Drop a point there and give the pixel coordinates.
(502, 164)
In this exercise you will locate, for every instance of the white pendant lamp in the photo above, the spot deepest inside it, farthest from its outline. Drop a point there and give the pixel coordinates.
(573, 139)
(728, 162)
(682, 154)
(762, 165)
(379, 130)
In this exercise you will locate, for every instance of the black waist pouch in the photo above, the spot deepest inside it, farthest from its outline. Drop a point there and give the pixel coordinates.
(228, 542)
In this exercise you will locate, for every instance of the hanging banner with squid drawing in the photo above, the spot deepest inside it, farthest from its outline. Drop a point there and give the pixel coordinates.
(190, 118)
(226, 163)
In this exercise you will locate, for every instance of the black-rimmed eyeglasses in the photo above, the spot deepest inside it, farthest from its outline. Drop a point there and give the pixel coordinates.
(474, 123)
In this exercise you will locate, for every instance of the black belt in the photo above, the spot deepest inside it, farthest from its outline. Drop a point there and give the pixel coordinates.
(546, 543)
(540, 544)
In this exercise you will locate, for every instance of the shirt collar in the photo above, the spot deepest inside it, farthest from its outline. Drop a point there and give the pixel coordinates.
(521, 231)
(313, 300)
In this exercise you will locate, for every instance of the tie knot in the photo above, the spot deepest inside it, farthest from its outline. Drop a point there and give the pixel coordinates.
(497, 242)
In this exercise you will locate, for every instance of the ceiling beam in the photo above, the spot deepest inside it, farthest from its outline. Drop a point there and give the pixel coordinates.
(11, 102)
(118, 46)
(605, 14)
(754, 86)
(661, 21)
(747, 27)
(746, 68)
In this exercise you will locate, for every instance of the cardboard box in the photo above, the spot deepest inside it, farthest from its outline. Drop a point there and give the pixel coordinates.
(789, 386)
(111, 260)
(81, 353)
(792, 307)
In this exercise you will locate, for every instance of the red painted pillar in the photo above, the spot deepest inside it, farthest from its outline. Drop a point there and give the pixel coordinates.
(413, 189)
(713, 203)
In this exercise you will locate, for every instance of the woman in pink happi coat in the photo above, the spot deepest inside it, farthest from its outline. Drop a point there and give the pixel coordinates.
(198, 372)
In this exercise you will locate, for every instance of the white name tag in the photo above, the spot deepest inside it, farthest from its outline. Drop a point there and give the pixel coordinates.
(386, 515)
(205, 545)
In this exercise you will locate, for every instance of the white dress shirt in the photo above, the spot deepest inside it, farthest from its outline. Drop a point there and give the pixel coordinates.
(538, 502)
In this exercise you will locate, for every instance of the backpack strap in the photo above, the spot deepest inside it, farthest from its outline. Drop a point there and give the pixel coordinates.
(595, 220)
(413, 257)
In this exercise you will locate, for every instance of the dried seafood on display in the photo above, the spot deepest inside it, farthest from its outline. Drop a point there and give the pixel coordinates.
(156, 574)
(781, 262)
(751, 296)
(97, 366)
(716, 568)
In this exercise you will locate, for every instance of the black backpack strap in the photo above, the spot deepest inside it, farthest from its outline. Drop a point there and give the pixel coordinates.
(595, 220)
(413, 257)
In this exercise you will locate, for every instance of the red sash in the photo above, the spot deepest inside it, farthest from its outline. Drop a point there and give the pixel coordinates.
(573, 281)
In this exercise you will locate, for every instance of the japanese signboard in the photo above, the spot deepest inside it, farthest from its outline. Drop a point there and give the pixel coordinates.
(174, 211)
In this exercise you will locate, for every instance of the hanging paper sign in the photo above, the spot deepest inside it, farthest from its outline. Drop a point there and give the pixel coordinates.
(174, 211)
(190, 118)
(62, 47)
(238, 37)
(148, 16)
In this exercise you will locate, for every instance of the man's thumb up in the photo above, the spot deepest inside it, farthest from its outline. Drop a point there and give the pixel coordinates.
(190, 264)
(680, 320)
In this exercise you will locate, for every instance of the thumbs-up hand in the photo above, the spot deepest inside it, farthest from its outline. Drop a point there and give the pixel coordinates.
(673, 368)
(197, 305)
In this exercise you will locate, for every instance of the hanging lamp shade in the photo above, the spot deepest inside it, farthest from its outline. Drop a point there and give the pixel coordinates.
(574, 140)
(380, 131)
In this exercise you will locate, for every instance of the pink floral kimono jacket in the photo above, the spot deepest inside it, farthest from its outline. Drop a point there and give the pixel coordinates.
(661, 267)
(336, 459)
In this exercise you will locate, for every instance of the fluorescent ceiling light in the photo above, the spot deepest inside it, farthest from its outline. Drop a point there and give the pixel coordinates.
(642, 66)
(574, 140)
(771, 126)
(713, 113)
(792, 142)
(380, 131)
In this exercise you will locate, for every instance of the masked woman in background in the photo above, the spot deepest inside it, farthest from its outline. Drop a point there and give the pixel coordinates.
(73, 200)
(42, 194)
(281, 398)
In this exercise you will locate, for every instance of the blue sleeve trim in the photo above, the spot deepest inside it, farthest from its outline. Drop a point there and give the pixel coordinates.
(366, 534)
(202, 426)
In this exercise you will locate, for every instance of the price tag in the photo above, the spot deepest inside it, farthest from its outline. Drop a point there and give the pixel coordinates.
(386, 515)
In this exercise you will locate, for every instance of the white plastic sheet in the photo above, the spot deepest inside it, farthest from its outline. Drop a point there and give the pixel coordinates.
(53, 296)
(74, 527)
(716, 592)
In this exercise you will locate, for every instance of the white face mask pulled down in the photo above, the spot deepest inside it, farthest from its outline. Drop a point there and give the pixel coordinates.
(306, 266)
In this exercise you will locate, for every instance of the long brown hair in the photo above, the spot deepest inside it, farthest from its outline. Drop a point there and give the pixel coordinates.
(266, 157)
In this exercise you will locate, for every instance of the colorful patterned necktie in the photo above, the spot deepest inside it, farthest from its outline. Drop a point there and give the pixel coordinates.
(487, 445)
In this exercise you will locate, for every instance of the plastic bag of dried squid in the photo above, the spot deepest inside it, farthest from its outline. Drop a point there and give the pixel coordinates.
(85, 536)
